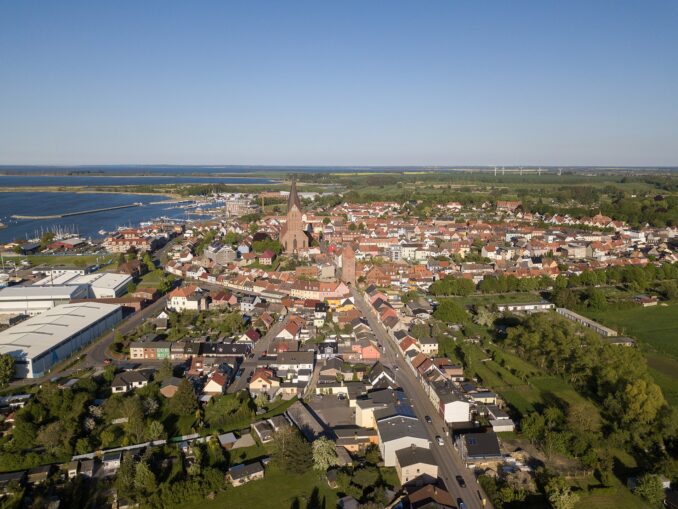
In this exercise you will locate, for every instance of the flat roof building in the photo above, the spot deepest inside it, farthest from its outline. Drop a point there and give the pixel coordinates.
(101, 285)
(42, 341)
(33, 300)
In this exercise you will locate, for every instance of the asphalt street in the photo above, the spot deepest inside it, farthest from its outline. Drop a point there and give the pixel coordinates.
(446, 456)
(250, 364)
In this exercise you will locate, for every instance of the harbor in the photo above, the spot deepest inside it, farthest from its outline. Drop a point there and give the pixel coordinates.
(78, 213)
(89, 215)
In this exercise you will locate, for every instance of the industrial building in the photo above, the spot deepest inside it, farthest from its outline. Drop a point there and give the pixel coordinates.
(42, 341)
(101, 285)
(33, 300)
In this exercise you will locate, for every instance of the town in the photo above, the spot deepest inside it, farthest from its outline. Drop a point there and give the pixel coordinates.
(303, 348)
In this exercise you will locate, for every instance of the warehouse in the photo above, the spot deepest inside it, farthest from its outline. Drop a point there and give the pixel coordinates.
(42, 341)
(101, 285)
(33, 300)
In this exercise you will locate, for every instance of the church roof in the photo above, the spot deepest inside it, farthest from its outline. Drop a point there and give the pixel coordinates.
(294, 197)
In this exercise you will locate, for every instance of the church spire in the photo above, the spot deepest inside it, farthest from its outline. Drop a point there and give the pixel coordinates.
(294, 197)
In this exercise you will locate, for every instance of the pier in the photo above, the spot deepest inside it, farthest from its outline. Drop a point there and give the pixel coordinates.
(79, 213)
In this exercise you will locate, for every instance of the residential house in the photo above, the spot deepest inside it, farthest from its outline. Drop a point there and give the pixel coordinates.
(128, 380)
(216, 384)
(416, 466)
(244, 473)
(478, 448)
(400, 432)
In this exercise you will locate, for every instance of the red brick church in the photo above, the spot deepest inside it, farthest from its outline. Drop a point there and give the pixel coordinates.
(293, 238)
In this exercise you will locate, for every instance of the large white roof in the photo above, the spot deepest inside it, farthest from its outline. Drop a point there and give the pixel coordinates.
(96, 280)
(42, 332)
(13, 293)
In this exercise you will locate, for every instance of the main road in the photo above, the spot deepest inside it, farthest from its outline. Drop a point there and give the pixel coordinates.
(446, 456)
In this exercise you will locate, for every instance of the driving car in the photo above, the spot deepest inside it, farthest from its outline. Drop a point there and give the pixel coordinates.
(439, 440)
(428, 419)
(460, 481)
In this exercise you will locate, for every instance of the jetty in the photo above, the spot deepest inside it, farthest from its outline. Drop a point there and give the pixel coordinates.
(78, 213)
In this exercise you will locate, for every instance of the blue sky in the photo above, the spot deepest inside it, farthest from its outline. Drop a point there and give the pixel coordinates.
(345, 82)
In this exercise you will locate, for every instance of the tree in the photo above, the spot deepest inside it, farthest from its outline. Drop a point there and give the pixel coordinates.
(324, 454)
(107, 437)
(484, 316)
(292, 451)
(670, 290)
(155, 431)
(650, 488)
(6, 369)
(366, 476)
(450, 312)
(144, 479)
(562, 497)
(231, 238)
(165, 370)
(596, 299)
(641, 400)
(51, 436)
(148, 262)
(533, 427)
(132, 409)
(232, 323)
(124, 479)
(184, 401)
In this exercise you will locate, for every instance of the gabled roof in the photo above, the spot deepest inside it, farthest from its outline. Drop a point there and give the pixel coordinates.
(415, 455)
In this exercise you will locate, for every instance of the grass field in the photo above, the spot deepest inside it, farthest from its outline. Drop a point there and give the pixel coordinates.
(657, 326)
(517, 297)
(68, 259)
(525, 393)
(663, 369)
(278, 490)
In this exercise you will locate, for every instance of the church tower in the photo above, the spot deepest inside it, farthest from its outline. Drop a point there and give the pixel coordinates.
(293, 238)
(348, 265)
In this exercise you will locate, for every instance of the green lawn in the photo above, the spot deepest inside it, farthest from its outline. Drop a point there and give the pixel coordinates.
(657, 326)
(278, 490)
(517, 297)
(150, 279)
(533, 389)
(248, 454)
(277, 408)
(614, 497)
(68, 259)
(663, 369)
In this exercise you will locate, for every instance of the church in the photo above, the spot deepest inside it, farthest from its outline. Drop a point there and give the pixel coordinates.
(293, 237)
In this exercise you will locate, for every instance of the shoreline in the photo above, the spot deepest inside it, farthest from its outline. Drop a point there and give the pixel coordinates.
(83, 190)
